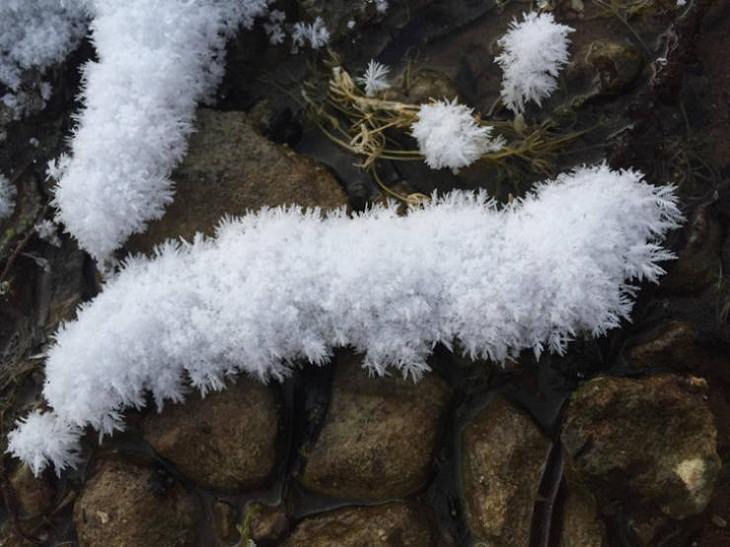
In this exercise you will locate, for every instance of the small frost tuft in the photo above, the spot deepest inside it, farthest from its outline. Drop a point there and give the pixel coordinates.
(47, 230)
(7, 197)
(314, 35)
(375, 78)
(43, 438)
(534, 51)
(274, 28)
(448, 135)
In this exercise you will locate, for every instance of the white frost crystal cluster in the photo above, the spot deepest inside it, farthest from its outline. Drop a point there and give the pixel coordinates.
(534, 51)
(381, 6)
(448, 135)
(47, 230)
(375, 78)
(274, 27)
(314, 35)
(36, 34)
(45, 439)
(7, 198)
(156, 61)
(283, 286)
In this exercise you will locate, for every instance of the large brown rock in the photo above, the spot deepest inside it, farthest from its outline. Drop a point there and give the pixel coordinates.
(226, 440)
(123, 506)
(647, 442)
(379, 437)
(503, 457)
(230, 169)
(392, 524)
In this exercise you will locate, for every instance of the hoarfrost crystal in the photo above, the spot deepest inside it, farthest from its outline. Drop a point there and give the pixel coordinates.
(156, 61)
(534, 51)
(449, 136)
(272, 290)
(375, 78)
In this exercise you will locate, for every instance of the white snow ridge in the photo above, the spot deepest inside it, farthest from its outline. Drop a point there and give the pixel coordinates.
(284, 286)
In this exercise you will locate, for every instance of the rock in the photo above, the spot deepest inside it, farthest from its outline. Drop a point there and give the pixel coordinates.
(581, 524)
(34, 496)
(10, 538)
(120, 507)
(379, 436)
(672, 345)
(226, 440)
(616, 66)
(644, 442)
(67, 285)
(428, 84)
(699, 264)
(503, 456)
(268, 524)
(390, 524)
(230, 169)
(224, 523)
(647, 528)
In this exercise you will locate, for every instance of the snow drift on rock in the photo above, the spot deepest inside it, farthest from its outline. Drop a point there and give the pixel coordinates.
(156, 61)
(284, 286)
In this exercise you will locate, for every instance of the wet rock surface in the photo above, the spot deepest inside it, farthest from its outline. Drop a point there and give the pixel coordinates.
(672, 345)
(699, 263)
(120, 506)
(498, 501)
(390, 524)
(581, 524)
(227, 440)
(269, 524)
(379, 437)
(649, 442)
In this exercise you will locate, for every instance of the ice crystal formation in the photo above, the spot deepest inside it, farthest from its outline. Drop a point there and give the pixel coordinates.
(7, 198)
(448, 135)
(314, 35)
(534, 51)
(282, 286)
(375, 78)
(156, 60)
(36, 34)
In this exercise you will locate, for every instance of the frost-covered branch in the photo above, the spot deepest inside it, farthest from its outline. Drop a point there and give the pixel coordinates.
(282, 286)
(156, 61)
